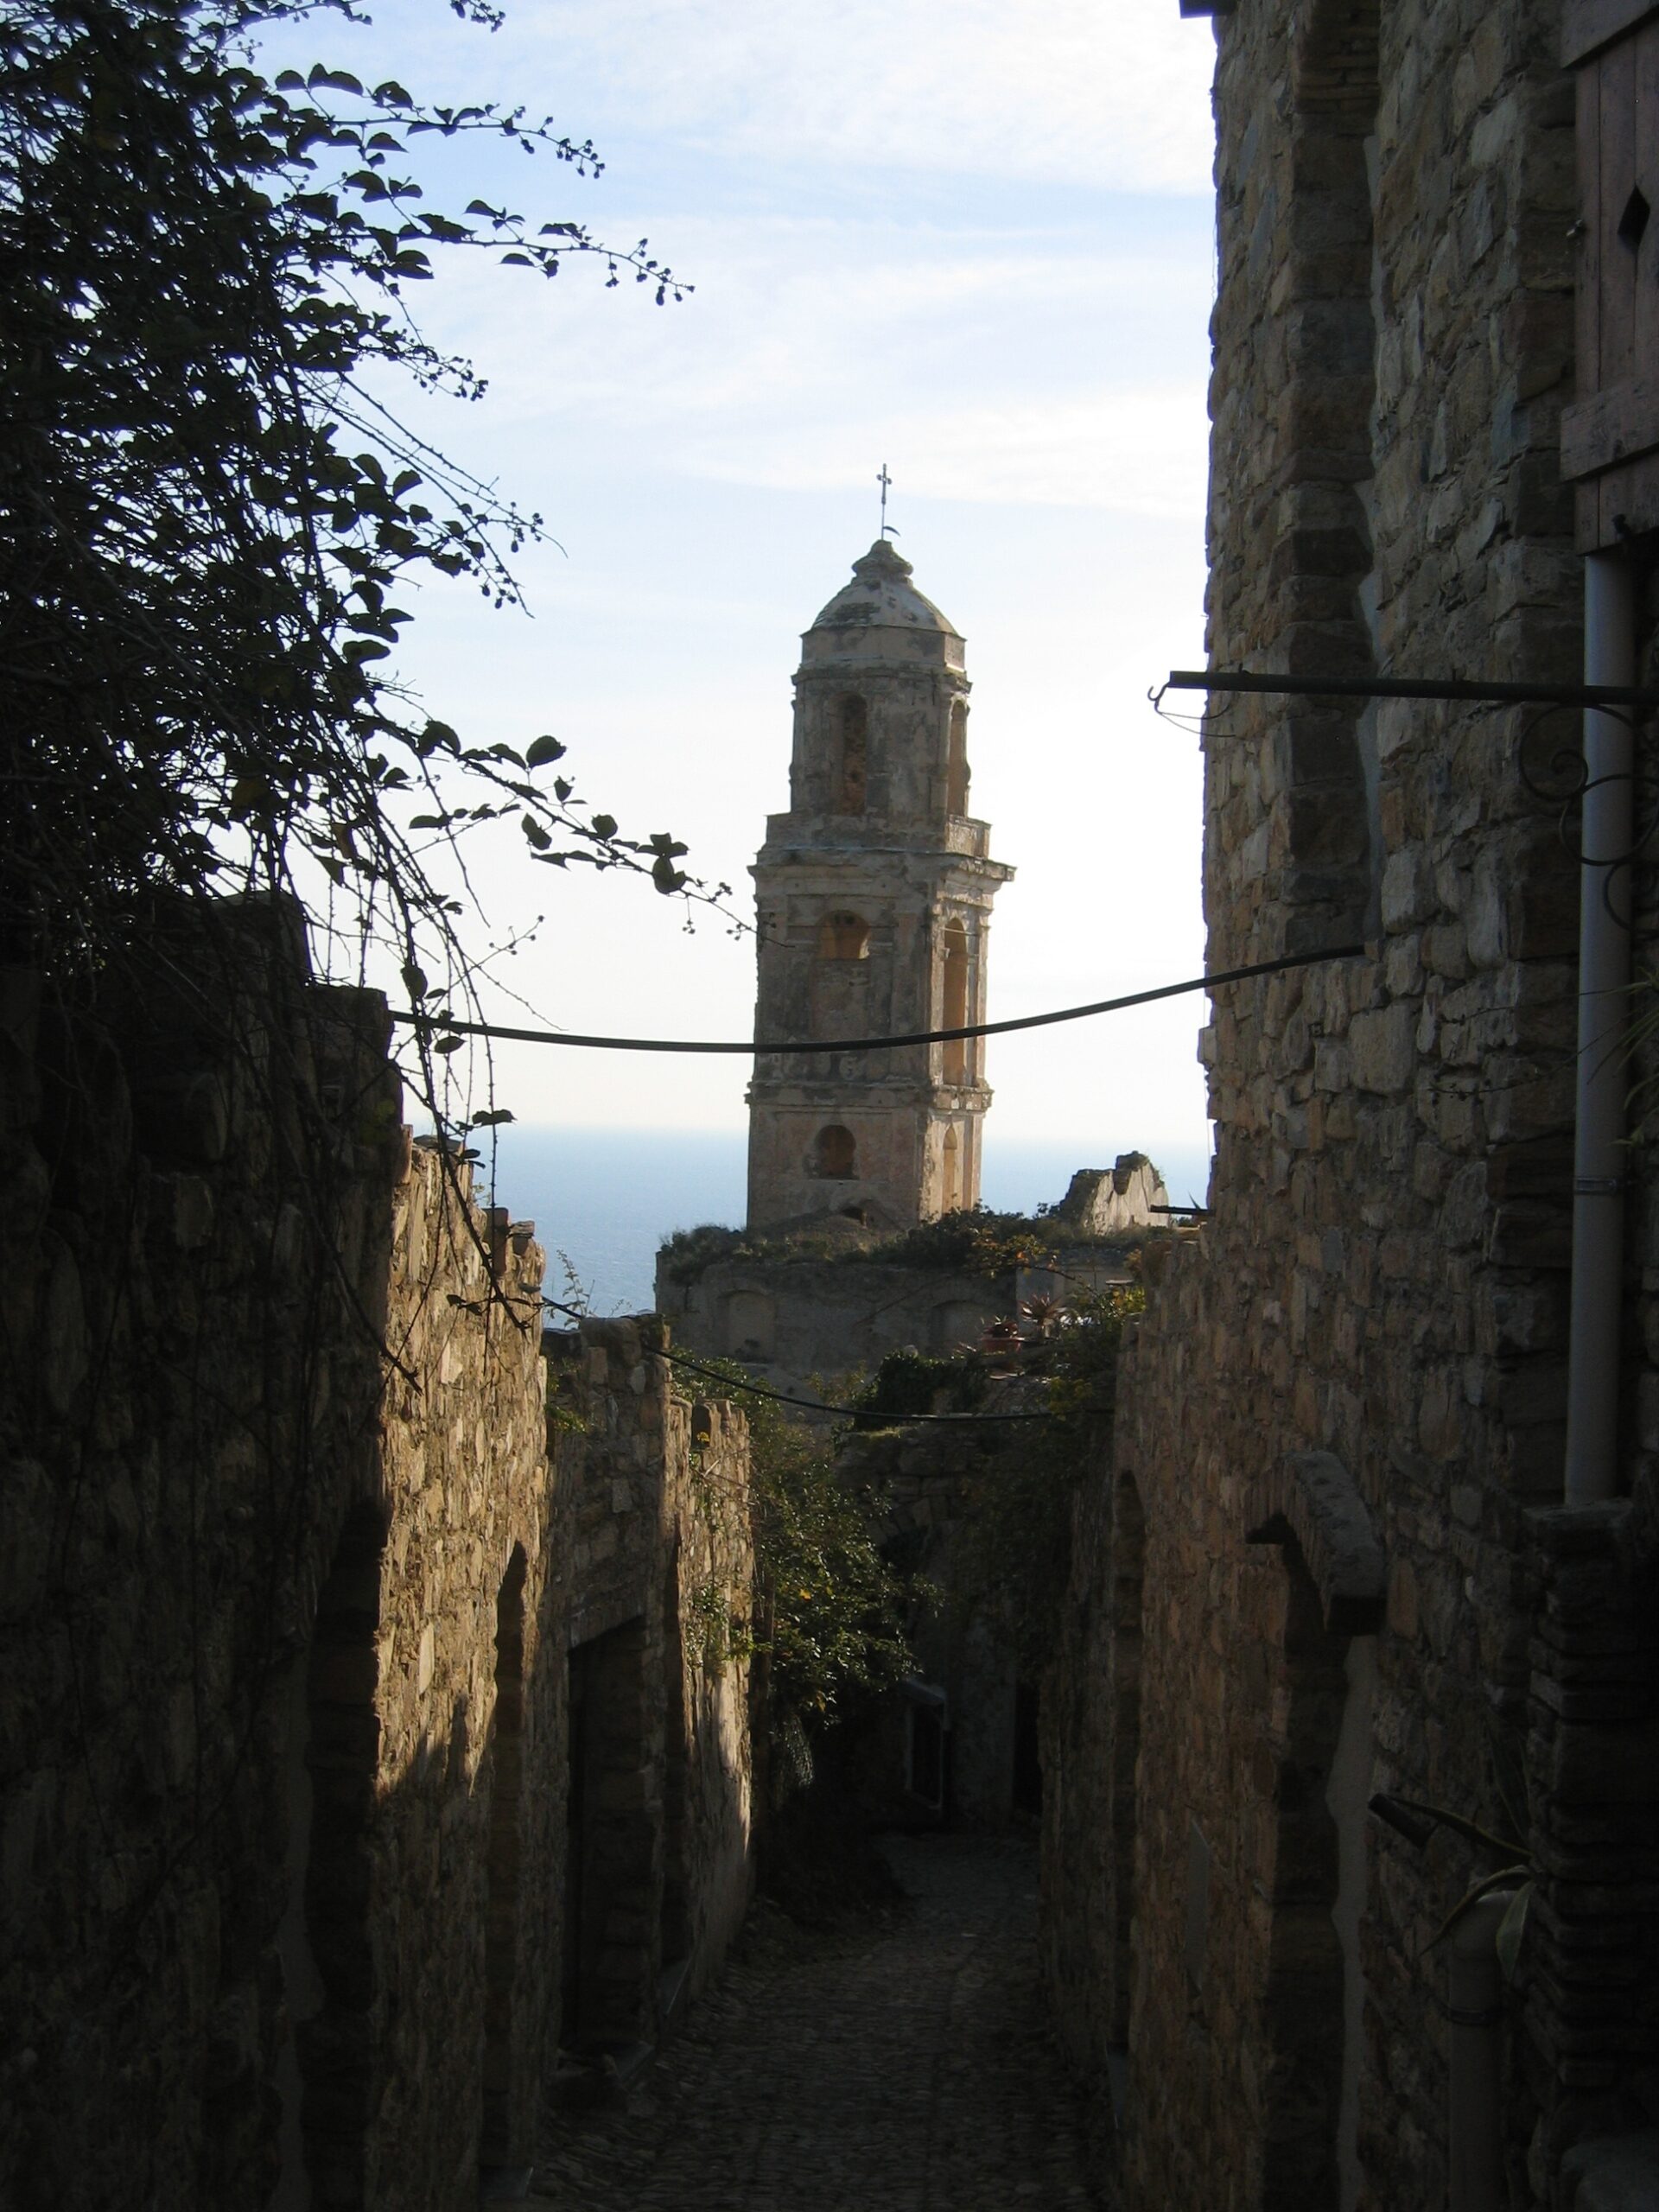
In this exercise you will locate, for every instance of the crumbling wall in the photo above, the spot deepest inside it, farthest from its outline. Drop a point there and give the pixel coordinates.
(656, 1587)
(253, 1717)
(1368, 1334)
(189, 1394)
(792, 1320)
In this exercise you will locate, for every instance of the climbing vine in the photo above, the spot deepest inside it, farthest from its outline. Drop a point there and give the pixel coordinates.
(830, 1610)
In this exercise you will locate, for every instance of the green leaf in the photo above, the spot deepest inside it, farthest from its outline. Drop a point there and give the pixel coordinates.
(534, 831)
(544, 750)
(604, 825)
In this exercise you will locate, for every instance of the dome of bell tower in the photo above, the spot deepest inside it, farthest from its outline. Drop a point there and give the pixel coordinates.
(881, 597)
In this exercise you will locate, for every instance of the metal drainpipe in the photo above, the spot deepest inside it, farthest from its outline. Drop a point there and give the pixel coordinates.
(1475, 1988)
(1603, 1020)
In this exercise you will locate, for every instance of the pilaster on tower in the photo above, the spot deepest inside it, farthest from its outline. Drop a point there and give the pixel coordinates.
(874, 899)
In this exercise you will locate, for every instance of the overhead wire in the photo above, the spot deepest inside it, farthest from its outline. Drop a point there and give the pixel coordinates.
(755, 1048)
(841, 1413)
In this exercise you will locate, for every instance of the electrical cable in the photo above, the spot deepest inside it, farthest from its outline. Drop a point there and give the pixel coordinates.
(841, 1413)
(793, 1047)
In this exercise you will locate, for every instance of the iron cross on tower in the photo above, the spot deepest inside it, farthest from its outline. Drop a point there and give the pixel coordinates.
(884, 481)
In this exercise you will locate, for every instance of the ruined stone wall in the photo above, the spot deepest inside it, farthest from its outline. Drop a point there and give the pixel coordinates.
(791, 1320)
(287, 1590)
(656, 1590)
(460, 1855)
(1347, 1396)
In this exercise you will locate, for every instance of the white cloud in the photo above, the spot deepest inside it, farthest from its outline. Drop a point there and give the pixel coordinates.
(1109, 94)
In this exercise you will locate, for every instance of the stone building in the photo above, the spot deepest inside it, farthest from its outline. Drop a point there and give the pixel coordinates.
(872, 901)
(1351, 1542)
(356, 1752)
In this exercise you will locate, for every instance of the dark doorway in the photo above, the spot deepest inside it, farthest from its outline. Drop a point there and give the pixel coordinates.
(612, 1906)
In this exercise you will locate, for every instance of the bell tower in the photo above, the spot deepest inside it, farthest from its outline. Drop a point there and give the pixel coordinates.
(872, 901)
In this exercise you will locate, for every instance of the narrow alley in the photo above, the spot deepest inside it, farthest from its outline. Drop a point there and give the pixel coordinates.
(897, 2063)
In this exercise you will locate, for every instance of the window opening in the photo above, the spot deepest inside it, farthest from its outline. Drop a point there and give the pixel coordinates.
(835, 1155)
(852, 778)
(843, 936)
(956, 1052)
(956, 766)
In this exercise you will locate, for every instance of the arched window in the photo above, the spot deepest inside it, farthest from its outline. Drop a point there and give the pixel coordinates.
(957, 1052)
(955, 764)
(852, 754)
(843, 936)
(835, 1156)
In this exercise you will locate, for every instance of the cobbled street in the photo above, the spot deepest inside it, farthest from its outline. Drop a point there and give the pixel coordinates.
(899, 2062)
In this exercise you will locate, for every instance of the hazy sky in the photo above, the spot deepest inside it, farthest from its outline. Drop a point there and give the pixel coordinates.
(974, 241)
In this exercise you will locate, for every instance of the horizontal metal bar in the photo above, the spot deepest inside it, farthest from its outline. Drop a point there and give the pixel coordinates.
(1411, 687)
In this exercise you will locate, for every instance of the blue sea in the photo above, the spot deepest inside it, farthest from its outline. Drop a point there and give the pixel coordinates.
(602, 1200)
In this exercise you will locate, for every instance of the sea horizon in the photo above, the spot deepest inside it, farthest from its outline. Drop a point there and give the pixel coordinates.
(603, 1200)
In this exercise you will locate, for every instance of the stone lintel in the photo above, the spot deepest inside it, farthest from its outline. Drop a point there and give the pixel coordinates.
(1311, 1496)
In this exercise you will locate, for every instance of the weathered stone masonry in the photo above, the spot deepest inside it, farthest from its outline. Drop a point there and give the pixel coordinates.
(1326, 1550)
(284, 1616)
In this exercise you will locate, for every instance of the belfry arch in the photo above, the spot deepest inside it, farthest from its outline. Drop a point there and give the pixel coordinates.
(852, 755)
(955, 1053)
(955, 761)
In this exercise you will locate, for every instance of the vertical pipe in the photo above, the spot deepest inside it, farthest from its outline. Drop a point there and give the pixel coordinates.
(1604, 1019)
(1475, 1988)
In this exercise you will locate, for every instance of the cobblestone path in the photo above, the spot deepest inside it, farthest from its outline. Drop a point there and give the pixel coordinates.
(898, 2064)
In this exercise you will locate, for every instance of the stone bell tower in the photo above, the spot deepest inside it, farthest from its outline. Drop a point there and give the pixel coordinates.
(874, 900)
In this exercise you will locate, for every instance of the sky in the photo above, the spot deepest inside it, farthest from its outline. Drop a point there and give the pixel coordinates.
(972, 241)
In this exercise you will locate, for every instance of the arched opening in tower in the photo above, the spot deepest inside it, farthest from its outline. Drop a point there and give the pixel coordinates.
(843, 936)
(951, 1178)
(957, 1054)
(852, 761)
(955, 764)
(835, 1155)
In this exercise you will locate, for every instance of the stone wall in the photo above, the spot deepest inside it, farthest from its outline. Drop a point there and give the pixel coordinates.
(287, 1589)
(1312, 1550)
(790, 1320)
(657, 1588)
(190, 1393)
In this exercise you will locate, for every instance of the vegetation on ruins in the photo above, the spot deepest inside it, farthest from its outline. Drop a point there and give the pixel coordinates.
(830, 1610)
(973, 1242)
(212, 501)
(1013, 1552)
(908, 1382)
